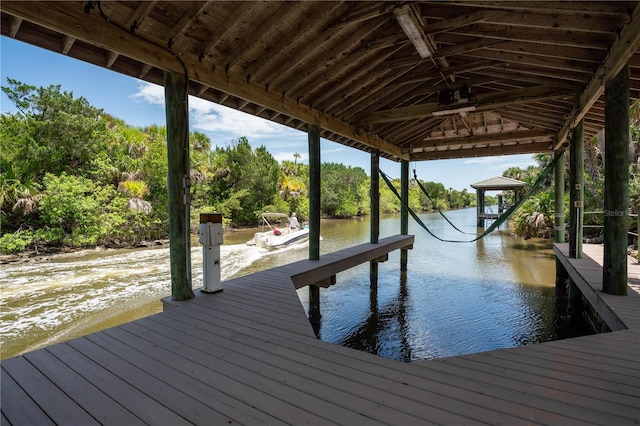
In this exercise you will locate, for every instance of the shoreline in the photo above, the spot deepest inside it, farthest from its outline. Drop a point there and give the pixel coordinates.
(47, 254)
(52, 253)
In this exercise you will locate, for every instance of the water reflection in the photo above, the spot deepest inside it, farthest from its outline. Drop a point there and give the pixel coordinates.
(390, 320)
(498, 292)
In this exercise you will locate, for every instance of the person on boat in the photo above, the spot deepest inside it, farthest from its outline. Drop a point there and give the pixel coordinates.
(293, 221)
(277, 232)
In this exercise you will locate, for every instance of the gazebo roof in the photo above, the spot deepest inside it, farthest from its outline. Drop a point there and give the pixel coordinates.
(498, 183)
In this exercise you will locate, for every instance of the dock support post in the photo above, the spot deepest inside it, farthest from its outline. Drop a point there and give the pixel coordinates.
(374, 193)
(559, 198)
(576, 191)
(561, 273)
(480, 207)
(178, 183)
(404, 212)
(313, 133)
(616, 183)
(575, 299)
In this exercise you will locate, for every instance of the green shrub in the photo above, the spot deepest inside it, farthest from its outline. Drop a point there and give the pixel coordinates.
(16, 242)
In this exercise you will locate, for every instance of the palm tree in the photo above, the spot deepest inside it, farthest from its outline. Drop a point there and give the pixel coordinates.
(21, 193)
(136, 189)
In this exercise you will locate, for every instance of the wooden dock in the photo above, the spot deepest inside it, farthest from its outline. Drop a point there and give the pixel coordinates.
(248, 355)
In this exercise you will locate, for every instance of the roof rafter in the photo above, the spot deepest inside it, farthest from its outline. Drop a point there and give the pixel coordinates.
(621, 52)
(90, 27)
(487, 151)
(484, 102)
(518, 135)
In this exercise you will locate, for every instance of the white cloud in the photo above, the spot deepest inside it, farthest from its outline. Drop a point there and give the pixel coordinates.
(210, 117)
(334, 150)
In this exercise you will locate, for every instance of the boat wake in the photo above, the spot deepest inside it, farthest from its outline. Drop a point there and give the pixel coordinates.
(45, 303)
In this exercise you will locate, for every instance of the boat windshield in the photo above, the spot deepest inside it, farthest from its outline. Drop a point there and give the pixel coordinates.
(272, 216)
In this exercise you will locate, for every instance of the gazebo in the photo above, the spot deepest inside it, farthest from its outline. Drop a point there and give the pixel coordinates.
(498, 183)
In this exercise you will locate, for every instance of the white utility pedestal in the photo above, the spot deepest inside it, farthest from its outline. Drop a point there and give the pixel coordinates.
(211, 240)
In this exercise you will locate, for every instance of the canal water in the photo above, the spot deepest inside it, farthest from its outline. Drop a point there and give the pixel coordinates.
(457, 298)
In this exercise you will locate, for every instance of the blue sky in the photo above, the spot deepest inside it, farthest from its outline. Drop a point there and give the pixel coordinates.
(141, 104)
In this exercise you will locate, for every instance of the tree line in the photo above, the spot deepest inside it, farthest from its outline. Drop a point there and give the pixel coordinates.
(72, 175)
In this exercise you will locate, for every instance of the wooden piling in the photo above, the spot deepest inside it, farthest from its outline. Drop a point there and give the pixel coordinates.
(177, 115)
(576, 191)
(559, 234)
(559, 198)
(616, 183)
(480, 207)
(374, 193)
(313, 133)
(404, 212)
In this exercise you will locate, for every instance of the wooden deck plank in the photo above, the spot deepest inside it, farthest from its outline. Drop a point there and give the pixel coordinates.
(301, 364)
(350, 402)
(455, 388)
(191, 410)
(146, 408)
(281, 396)
(446, 397)
(444, 379)
(539, 378)
(547, 407)
(619, 312)
(556, 363)
(278, 306)
(234, 408)
(258, 314)
(40, 389)
(218, 375)
(92, 399)
(18, 406)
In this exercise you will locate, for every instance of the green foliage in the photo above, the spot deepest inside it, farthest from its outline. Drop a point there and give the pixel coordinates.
(53, 131)
(535, 217)
(16, 242)
(340, 194)
(74, 204)
(240, 170)
(72, 175)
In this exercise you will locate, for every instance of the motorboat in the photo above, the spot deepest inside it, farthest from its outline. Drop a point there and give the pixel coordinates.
(273, 237)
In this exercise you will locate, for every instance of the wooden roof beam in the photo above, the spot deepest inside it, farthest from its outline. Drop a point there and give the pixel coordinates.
(185, 21)
(557, 7)
(466, 141)
(266, 27)
(93, 28)
(299, 42)
(135, 20)
(459, 21)
(488, 151)
(14, 26)
(465, 47)
(621, 51)
(67, 44)
(484, 102)
(242, 9)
